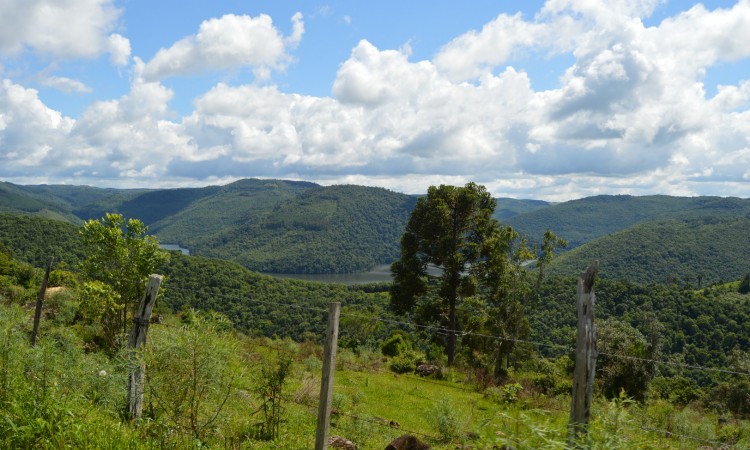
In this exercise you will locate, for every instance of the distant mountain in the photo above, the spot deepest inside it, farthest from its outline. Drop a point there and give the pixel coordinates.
(214, 210)
(301, 227)
(511, 207)
(16, 199)
(583, 220)
(266, 225)
(697, 251)
(336, 229)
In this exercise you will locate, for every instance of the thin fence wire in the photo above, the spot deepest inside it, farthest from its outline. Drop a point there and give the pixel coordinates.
(445, 331)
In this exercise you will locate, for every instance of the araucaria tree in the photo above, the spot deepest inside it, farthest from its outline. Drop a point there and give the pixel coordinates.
(120, 255)
(449, 232)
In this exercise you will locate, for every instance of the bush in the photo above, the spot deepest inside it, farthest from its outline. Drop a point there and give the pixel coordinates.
(733, 397)
(444, 418)
(395, 345)
(403, 364)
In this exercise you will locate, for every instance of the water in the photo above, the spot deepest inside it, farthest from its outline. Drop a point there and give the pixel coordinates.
(175, 247)
(377, 274)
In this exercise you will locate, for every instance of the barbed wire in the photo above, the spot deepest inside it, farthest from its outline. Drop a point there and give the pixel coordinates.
(672, 434)
(394, 425)
(446, 331)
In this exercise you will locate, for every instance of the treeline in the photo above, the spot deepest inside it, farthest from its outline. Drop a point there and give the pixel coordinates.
(260, 305)
(705, 327)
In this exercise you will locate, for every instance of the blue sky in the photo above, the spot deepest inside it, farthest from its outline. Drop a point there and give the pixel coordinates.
(551, 100)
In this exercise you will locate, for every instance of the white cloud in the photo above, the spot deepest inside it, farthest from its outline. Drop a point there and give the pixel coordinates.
(65, 84)
(29, 130)
(630, 115)
(60, 29)
(229, 42)
(119, 49)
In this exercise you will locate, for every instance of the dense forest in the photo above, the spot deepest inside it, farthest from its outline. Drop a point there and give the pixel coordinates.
(300, 227)
(583, 220)
(660, 343)
(694, 252)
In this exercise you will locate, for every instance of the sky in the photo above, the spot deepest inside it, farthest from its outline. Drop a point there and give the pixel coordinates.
(550, 100)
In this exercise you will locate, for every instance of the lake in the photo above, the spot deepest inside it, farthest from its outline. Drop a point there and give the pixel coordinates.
(377, 274)
(175, 247)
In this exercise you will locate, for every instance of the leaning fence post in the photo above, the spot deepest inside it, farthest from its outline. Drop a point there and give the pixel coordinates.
(40, 302)
(137, 341)
(326, 382)
(586, 353)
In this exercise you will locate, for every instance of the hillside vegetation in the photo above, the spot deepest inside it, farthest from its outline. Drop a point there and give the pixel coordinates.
(34, 240)
(696, 252)
(336, 229)
(213, 211)
(208, 385)
(300, 227)
(583, 220)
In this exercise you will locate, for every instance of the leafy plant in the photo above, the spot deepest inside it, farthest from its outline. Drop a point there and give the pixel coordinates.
(269, 392)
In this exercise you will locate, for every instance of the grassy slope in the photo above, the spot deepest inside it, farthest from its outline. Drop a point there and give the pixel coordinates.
(666, 251)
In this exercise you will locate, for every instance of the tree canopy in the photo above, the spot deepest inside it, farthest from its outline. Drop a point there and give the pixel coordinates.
(120, 255)
(450, 231)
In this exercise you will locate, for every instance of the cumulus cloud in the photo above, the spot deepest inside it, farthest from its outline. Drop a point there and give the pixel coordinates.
(228, 42)
(69, 29)
(29, 130)
(119, 49)
(630, 115)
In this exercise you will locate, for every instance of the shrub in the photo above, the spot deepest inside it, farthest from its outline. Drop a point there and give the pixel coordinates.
(444, 418)
(403, 364)
(395, 345)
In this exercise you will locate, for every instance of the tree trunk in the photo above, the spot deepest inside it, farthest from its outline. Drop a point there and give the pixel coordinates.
(451, 331)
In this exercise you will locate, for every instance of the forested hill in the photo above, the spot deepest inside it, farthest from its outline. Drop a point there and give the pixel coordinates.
(204, 213)
(698, 251)
(583, 220)
(34, 240)
(301, 227)
(16, 199)
(511, 207)
(336, 229)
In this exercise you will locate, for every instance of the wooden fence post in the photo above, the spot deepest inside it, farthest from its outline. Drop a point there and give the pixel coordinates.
(326, 382)
(586, 353)
(40, 302)
(136, 342)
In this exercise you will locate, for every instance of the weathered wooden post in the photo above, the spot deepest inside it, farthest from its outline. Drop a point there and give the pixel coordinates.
(136, 342)
(586, 353)
(326, 382)
(40, 302)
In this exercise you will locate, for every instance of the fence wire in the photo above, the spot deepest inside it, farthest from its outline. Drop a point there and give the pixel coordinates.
(445, 331)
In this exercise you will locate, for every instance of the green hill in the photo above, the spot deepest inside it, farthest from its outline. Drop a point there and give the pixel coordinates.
(583, 220)
(214, 210)
(511, 207)
(16, 199)
(336, 229)
(701, 251)
(33, 239)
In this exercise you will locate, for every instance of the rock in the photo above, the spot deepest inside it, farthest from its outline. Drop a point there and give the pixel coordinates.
(407, 442)
(339, 442)
(427, 370)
